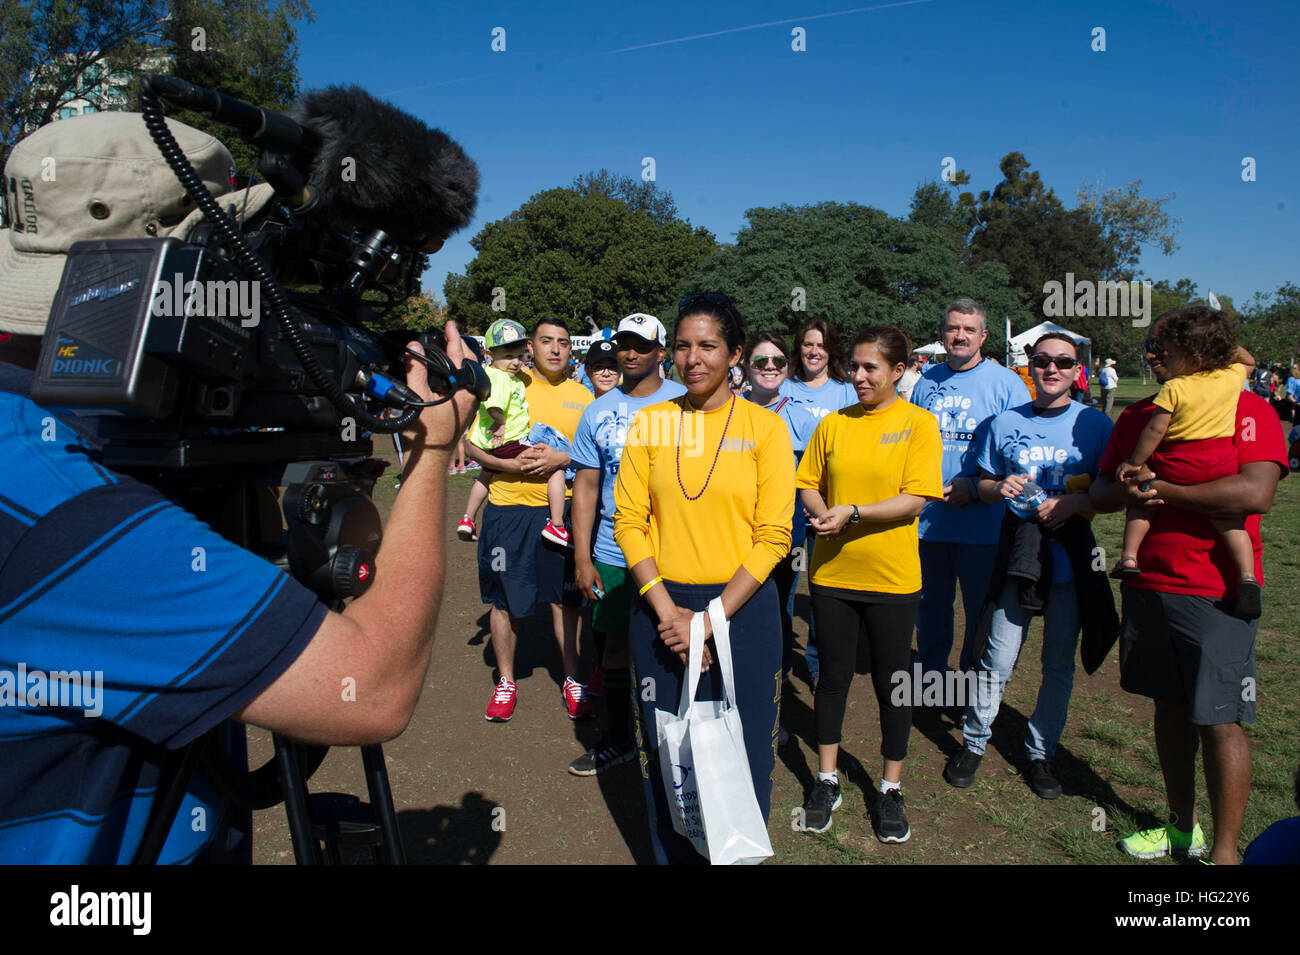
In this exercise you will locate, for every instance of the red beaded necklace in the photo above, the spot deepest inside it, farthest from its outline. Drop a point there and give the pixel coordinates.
(681, 430)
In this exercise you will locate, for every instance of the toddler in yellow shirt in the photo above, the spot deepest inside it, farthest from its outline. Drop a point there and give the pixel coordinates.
(1188, 439)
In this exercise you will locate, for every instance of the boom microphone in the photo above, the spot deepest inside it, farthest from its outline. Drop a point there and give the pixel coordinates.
(380, 167)
(368, 165)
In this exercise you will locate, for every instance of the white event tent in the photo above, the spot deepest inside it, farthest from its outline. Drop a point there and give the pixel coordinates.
(1016, 346)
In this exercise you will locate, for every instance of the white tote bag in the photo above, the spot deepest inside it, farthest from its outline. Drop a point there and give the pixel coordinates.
(703, 763)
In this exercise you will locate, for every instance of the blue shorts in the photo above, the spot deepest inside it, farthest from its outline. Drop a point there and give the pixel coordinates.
(545, 434)
(517, 567)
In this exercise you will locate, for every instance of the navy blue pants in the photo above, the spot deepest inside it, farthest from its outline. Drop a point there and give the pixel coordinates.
(658, 674)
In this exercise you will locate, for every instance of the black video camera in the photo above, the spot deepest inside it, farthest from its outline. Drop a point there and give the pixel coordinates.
(237, 350)
(241, 357)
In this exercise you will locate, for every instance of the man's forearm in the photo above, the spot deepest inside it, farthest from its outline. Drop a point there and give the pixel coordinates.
(1106, 495)
(583, 512)
(1248, 492)
(398, 612)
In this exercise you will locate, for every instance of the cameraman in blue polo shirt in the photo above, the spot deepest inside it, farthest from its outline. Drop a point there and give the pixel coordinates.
(102, 597)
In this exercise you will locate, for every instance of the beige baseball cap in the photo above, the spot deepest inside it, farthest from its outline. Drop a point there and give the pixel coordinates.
(92, 177)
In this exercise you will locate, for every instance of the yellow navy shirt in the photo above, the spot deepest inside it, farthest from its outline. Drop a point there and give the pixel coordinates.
(860, 456)
(742, 518)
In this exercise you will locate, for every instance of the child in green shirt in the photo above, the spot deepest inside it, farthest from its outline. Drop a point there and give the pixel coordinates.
(502, 427)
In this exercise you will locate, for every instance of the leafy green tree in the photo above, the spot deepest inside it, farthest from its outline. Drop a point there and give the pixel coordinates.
(855, 266)
(639, 195)
(1270, 325)
(572, 256)
(933, 205)
(1023, 225)
(53, 51)
(420, 312)
(1128, 221)
(244, 48)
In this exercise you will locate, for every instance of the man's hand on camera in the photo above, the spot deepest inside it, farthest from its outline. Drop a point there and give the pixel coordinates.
(440, 427)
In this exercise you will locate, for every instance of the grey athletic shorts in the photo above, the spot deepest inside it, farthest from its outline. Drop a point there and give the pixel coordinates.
(1188, 649)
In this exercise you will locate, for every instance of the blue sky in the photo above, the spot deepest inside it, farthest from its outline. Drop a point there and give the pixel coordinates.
(1182, 94)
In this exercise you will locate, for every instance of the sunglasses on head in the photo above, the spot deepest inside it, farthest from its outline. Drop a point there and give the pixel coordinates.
(713, 298)
(1063, 362)
(776, 361)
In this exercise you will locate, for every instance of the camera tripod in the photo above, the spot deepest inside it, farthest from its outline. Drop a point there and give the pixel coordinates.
(332, 530)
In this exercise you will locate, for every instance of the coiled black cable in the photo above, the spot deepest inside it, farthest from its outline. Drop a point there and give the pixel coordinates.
(175, 157)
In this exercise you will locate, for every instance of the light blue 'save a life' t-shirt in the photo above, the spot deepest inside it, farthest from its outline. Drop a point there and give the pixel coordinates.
(817, 403)
(598, 444)
(964, 403)
(1050, 448)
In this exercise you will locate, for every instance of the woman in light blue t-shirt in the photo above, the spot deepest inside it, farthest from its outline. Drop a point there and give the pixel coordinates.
(817, 379)
(818, 386)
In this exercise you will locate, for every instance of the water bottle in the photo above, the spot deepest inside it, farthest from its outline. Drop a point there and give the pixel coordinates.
(1025, 504)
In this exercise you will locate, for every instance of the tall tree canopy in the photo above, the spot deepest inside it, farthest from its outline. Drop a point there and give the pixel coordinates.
(568, 255)
(1023, 225)
(638, 194)
(247, 49)
(53, 51)
(855, 266)
(1270, 325)
(1129, 220)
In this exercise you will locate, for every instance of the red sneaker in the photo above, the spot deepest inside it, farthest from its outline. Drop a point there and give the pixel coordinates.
(466, 530)
(575, 699)
(556, 534)
(596, 685)
(502, 706)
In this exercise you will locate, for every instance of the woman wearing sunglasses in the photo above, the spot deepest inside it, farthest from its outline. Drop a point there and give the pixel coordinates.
(702, 510)
(766, 361)
(1048, 441)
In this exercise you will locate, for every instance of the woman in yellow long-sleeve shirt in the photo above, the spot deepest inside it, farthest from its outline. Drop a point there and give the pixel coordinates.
(703, 505)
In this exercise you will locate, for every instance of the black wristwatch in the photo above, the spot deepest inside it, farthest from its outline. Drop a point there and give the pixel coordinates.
(856, 516)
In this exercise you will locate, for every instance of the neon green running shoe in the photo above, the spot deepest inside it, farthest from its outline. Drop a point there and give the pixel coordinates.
(1165, 840)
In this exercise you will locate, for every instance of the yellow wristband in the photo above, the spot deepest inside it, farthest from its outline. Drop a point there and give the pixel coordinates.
(643, 590)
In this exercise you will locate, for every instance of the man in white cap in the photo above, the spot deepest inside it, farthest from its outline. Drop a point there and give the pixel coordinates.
(601, 571)
(100, 570)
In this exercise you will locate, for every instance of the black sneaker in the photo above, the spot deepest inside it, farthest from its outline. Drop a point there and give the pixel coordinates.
(1039, 776)
(961, 769)
(817, 808)
(891, 822)
(601, 758)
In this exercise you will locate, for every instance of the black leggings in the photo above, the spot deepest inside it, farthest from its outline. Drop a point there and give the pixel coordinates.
(886, 650)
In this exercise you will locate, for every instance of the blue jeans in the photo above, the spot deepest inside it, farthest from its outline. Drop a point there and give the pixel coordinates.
(943, 564)
(1060, 639)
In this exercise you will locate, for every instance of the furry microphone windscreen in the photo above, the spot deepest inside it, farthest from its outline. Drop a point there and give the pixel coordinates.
(379, 167)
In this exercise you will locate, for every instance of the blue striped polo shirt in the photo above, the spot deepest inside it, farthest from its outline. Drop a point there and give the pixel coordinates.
(128, 629)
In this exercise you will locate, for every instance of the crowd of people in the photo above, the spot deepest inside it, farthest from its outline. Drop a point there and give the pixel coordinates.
(894, 485)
